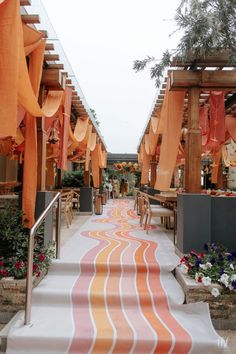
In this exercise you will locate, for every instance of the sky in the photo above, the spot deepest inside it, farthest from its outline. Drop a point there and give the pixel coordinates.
(101, 39)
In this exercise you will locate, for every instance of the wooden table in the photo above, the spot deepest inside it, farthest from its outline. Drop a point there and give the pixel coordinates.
(166, 198)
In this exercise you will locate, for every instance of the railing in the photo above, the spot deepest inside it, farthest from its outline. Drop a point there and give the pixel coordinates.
(29, 279)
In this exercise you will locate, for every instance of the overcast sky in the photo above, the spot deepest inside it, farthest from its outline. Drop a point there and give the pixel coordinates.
(102, 38)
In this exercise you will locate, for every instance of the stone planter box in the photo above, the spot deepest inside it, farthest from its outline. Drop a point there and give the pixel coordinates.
(12, 296)
(222, 308)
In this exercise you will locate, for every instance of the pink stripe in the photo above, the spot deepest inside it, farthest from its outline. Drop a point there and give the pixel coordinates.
(144, 334)
(84, 331)
(161, 303)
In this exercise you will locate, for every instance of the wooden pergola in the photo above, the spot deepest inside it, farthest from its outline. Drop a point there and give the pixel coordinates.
(90, 146)
(197, 78)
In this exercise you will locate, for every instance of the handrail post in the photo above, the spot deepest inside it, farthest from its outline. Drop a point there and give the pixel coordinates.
(29, 278)
(58, 229)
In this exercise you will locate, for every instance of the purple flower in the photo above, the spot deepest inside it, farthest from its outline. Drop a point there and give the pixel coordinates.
(213, 260)
(197, 263)
(230, 257)
(222, 271)
(234, 284)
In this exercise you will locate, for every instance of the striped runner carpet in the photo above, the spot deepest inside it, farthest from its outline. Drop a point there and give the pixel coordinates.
(113, 291)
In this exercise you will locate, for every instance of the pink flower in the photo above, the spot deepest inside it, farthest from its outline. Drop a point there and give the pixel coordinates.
(18, 265)
(1, 263)
(199, 279)
(38, 274)
(3, 273)
(35, 266)
(41, 257)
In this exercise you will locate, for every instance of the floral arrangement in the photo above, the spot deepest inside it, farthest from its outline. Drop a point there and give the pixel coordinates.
(127, 167)
(216, 265)
(14, 247)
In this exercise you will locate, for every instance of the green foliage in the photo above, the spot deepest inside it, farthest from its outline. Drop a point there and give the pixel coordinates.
(209, 26)
(13, 235)
(73, 179)
(14, 246)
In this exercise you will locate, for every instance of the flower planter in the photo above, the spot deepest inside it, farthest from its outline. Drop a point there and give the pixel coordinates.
(222, 307)
(12, 295)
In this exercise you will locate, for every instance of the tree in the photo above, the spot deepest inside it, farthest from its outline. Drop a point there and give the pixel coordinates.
(208, 26)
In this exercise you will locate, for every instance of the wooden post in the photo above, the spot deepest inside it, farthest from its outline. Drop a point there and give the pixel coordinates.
(193, 147)
(41, 144)
(87, 178)
(153, 171)
(100, 176)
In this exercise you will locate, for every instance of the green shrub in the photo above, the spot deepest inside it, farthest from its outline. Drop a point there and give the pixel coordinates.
(73, 179)
(14, 246)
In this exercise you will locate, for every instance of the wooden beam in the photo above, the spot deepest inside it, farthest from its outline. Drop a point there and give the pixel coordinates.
(49, 46)
(30, 19)
(181, 79)
(53, 79)
(51, 57)
(25, 2)
(56, 66)
(71, 86)
(45, 33)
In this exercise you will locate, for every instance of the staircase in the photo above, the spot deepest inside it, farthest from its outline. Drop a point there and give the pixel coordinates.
(113, 292)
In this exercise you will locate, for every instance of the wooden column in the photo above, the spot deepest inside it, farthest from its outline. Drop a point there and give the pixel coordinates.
(192, 178)
(153, 171)
(41, 146)
(87, 178)
(100, 176)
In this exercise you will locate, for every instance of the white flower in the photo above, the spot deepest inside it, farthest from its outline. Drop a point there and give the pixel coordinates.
(208, 265)
(184, 268)
(215, 292)
(231, 266)
(205, 266)
(224, 279)
(196, 276)
(233, 277)
(231, 287)
(206, 281)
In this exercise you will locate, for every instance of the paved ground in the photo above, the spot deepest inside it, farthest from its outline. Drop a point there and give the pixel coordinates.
(79, 220)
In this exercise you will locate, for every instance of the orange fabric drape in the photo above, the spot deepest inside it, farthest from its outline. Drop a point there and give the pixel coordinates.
(32, 38)
(9, 66)
(145, 165)
(95, 166)
(81, 129)
(230, 123)
(171, 137)
(217, 118)
(30, 155)
(163, 113)
(204, 123)
(215, 166)
(153, 139)
(102, 157)
(92, 141)
(87, 158)
(146, 144)
(155, 121)
(62, 164)
(52, 103)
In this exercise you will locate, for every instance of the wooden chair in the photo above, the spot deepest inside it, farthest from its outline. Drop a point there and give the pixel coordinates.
(76, 200)
(155, 211)
(67, 204)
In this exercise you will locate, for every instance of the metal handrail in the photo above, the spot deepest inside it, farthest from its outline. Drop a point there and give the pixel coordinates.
(29, 279)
